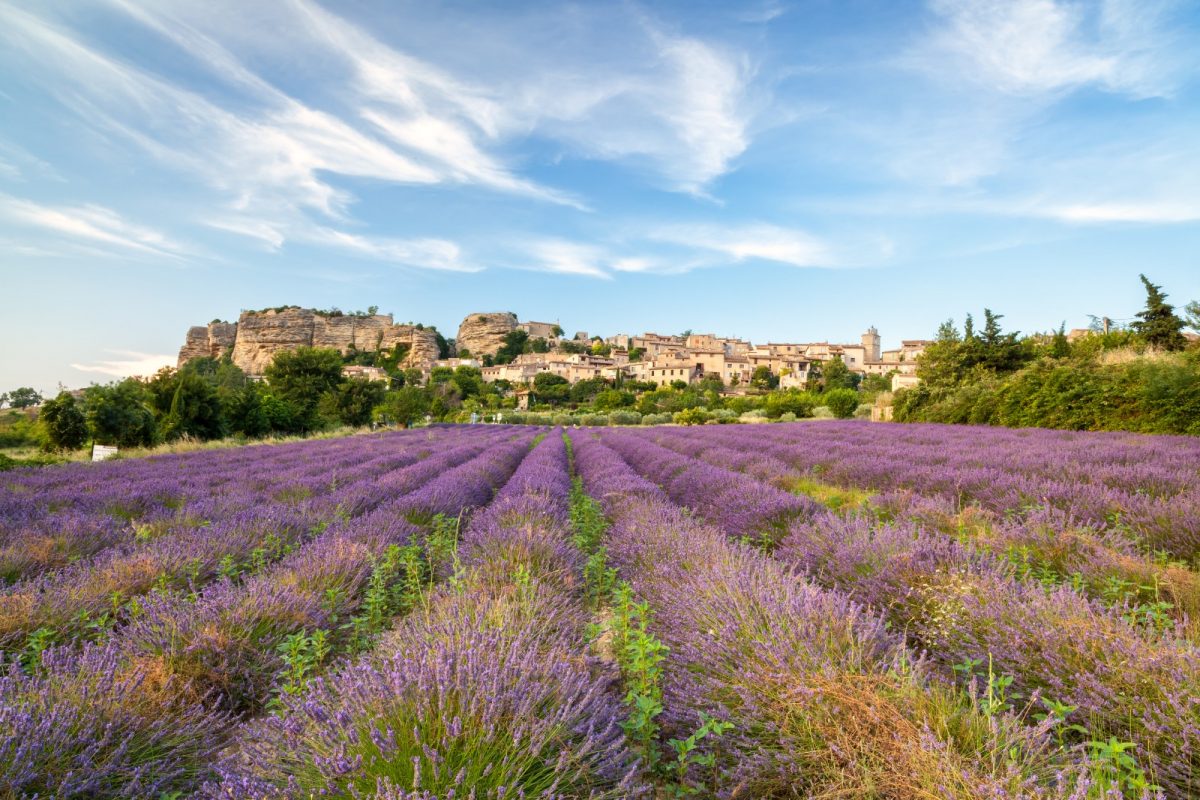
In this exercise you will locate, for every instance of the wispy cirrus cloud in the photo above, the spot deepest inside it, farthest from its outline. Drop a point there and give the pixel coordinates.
(676, 105)
(676, 249)
(90, 224)
(1036, 46)
(129, 363)
(568, 258)
(751, 242)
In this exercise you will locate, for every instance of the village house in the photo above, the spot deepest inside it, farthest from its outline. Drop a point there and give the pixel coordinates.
(359, 372)
(666, 359)
(455, 363)
(541, 330)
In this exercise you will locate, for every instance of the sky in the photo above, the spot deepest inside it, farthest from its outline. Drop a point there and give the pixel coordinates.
(783, 171)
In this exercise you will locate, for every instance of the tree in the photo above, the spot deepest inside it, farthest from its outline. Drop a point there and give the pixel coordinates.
(300, 377)
(557, 331)
(842, 402)
(65, 424)
(121, 413)
(1001, 352)
(1060, 346)
(469, 381)
(515, 343)
(550, 388)
(610, 399)
(796, 402)
(763, 378)
(1157, 323)
(352, 402)
(1191, 313)
(877, 383)
(244, 412)
(836, 375)
(24, 397)
(195, 409)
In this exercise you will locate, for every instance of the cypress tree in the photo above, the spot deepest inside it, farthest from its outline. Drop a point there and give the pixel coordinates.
(1157, 323)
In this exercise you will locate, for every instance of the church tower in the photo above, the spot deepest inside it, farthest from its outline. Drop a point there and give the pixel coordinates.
(871, 343)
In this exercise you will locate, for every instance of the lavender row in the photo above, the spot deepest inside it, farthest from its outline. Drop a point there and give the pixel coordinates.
(158, 481)
(1148, 485)
(70, 601)
(33, 540)
(968, 613)
(183, 667)
(739, 504)
(1044, 544)
(822, 696)
(483, 695)
(928, 582)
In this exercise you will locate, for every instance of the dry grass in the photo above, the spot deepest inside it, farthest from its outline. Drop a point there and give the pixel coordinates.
(836, 498)
(1127, 355)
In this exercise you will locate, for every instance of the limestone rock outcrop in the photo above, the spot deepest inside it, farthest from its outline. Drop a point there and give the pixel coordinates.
(212, 340)
(257, 336)
(483, 334)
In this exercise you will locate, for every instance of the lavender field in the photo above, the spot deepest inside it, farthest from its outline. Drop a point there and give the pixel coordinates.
(831, 610)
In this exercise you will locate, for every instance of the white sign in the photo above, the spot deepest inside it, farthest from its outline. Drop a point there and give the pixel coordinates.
(103, 451)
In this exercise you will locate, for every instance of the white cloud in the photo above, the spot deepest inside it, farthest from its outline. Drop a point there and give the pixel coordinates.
(569, 258)
(92, 224)
(270, 164)
(438, 254)
(740, 243)
(680, 106)
(1160, 213)
(133, 364)
(763, 12)
(1034, 46)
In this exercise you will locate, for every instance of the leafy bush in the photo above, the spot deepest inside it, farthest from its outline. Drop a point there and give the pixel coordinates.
(593, 420)
(800, 404)
(624, 418)
(692, 416)
(1147, 394)
(842, 402)
(656, 419)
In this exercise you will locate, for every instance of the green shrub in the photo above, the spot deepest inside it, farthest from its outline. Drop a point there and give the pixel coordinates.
(842, 402)
(624, 418)
(800, 404)
(656, 419)
(692, 416)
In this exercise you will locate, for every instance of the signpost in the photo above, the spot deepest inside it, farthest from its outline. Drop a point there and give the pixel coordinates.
(102, 451)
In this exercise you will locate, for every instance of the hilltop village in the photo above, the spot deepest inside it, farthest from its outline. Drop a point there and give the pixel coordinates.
(513, 352)
(690, 357)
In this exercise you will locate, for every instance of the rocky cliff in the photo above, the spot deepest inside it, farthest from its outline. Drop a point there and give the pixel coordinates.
(258, 335)
(483, 334)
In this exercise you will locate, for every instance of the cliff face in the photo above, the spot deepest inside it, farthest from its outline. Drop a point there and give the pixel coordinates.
(483, 334)
(208, 340)
(257, 336)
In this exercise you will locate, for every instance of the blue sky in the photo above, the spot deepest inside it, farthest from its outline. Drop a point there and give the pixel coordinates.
(773, 170)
